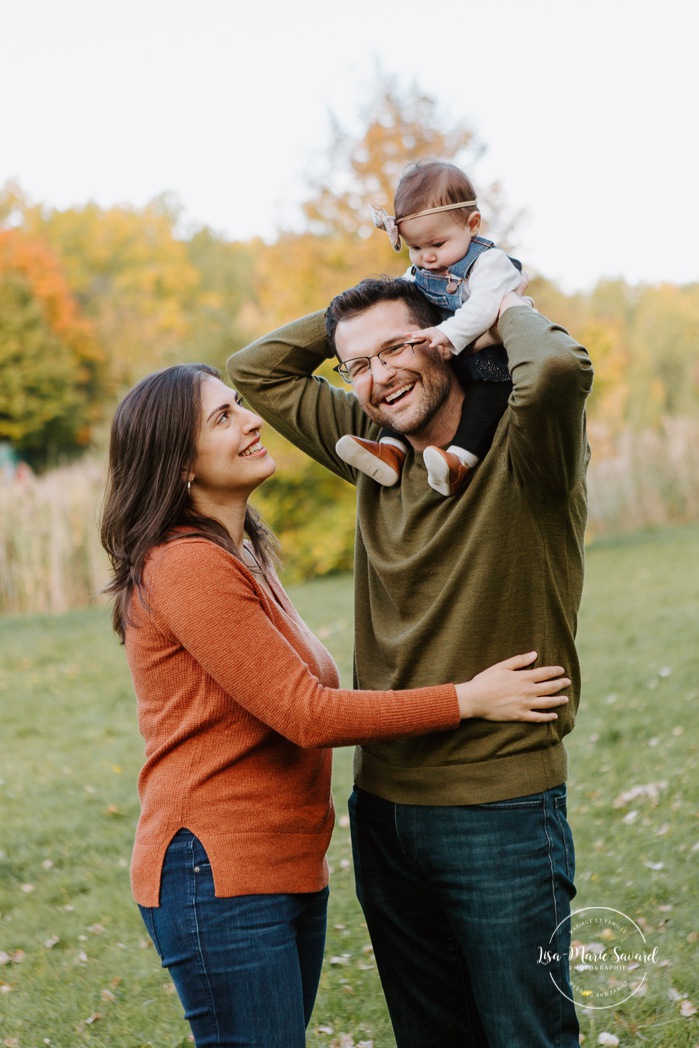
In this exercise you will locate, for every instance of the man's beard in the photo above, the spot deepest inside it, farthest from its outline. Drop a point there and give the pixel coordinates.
(434, 385)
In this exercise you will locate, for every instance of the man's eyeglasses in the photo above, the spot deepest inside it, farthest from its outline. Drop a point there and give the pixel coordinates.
(394, 356)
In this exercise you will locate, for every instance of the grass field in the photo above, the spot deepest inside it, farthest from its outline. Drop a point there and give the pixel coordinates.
(75, 965)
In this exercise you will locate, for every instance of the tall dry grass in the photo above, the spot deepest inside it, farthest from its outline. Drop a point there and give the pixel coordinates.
(644, 479)
(51, 558)
(50, 554)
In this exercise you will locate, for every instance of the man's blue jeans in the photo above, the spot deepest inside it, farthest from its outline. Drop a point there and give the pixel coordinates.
(246, 968)
(458, 901)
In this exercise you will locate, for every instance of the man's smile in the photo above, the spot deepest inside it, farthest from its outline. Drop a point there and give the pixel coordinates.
(398, 394)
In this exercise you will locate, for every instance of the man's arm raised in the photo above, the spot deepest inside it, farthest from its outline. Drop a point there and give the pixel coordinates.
(552, 377)
(275, 375)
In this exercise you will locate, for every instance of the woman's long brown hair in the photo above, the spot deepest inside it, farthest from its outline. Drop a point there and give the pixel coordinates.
(152, 450)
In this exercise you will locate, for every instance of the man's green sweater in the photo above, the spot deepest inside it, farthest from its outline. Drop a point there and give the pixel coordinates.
(444, 587)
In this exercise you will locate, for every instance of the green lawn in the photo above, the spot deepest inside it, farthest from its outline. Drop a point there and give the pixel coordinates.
(75, 965)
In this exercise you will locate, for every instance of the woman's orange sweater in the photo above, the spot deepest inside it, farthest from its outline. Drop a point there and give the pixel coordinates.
(236, 701)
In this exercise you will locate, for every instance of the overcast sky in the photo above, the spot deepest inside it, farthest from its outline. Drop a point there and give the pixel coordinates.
(587, 110)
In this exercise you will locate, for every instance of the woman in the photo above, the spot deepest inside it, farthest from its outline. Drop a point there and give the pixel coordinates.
(237, 701)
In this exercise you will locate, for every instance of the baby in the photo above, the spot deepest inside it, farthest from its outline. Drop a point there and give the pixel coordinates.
(466, 276)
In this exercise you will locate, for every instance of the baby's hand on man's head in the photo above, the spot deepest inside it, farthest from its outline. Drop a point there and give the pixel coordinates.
(434, 336)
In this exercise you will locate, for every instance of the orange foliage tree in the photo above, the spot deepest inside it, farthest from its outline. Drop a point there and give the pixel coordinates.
(131, 276)
(52, 390)
(339, 246)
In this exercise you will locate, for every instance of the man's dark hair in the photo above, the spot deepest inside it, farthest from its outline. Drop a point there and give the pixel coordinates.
(373, 290)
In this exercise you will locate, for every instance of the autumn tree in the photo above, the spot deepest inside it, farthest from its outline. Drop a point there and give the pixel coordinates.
(52, 388)
(339, 245)
(401, 125)
(224, 314)
(131, 276)
(664, 340)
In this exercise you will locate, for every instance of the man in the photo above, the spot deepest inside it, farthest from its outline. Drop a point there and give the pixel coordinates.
(463, 856)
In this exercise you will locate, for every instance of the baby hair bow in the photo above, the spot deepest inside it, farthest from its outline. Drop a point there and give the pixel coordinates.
(382, 220)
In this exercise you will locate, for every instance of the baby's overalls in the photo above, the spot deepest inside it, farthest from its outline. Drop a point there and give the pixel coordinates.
(445, 292)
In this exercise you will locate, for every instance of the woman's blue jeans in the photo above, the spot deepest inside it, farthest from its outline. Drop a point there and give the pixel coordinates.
(246, 968)
(458, 901)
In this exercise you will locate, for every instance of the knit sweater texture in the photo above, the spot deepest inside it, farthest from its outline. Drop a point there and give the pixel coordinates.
(237, 704)
(444, 587)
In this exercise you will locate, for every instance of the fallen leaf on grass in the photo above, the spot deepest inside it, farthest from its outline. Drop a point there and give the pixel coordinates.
(609, 1039)
(687, 1009)
(340, 959)
(347, 1041)
(650, 791)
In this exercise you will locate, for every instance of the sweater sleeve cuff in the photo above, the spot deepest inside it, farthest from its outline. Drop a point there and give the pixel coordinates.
(437, 707)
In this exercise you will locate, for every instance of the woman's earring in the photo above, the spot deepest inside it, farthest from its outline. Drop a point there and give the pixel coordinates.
(189, 488)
